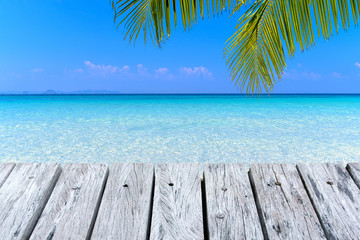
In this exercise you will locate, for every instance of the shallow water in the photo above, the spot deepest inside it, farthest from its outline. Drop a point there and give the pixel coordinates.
(180, 128)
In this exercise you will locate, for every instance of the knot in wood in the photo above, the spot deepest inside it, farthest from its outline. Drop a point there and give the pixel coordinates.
(76, 188)
(330, 183)
(220, 215)
(125, 185)
(171, 184)
(224, 189)
(277, 183)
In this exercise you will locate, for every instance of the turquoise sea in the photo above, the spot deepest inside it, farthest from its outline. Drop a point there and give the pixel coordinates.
(180, 128)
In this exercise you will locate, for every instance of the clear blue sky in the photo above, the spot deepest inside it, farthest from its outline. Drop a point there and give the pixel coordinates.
(69, 45)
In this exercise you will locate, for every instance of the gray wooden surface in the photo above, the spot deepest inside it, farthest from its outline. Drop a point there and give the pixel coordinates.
(230, 204)
(177, 207)
(23, 197)
(354, 170)
(126, 205)
(5, 170)
(72, 207)
(336, 199)
(285, 209)
(274, 201)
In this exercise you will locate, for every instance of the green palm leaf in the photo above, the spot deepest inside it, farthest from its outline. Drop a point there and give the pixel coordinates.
(154, 17)
(255, 53)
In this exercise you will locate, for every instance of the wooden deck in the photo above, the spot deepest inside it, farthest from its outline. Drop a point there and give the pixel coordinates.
(178, 201)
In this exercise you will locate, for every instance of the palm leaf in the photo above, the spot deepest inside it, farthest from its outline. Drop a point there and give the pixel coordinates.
(255, 53)
(149, 16)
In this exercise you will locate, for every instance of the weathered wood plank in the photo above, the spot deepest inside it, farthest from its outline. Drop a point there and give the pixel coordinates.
(71, 210)
(230, 204)
(5, 170)
(177, 209)
(285, 209)
(125, 210)
(23, 197)
(354, 170)
(336, 199)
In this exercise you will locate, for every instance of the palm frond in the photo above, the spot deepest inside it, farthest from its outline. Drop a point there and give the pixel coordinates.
(156, 18)
(255, 52)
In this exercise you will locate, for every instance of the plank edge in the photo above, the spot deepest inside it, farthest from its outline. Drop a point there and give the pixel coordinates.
(31, 226)
(8, 174)
(98, 203)
(258, 206)
(298, 168)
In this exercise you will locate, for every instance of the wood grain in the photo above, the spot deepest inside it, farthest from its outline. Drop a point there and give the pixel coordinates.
(285, 209)
(125, 210)
(72, 207)
(354, 170)
(177, 210)
(5, 170)
(23, 197)
(230, 204)
(335, 197)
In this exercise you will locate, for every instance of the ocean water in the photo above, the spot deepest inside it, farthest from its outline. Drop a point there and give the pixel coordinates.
(180, 128)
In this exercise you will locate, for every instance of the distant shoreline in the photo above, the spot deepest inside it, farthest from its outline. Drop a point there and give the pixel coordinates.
(179, 94)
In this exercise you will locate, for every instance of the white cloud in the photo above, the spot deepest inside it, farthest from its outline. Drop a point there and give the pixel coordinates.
(105, 69)
(102, 68)
(336, 75)
(164, 73)
(294, 74)
(36, 70)
(311, 75)
(339, 75)
(140, 67)
(196, 72)
(124, 68)
(79, 70)
(143, 71)
(357, 64)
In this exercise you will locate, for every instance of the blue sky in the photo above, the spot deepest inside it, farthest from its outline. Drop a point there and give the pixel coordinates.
(69, 45)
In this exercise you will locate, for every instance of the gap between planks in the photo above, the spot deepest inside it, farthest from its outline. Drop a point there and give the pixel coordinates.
(204, 198)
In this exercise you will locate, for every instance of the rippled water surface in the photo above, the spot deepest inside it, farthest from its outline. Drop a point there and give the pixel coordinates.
(180, 128)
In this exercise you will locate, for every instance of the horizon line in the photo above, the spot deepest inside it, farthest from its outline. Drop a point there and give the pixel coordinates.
(243, 94)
